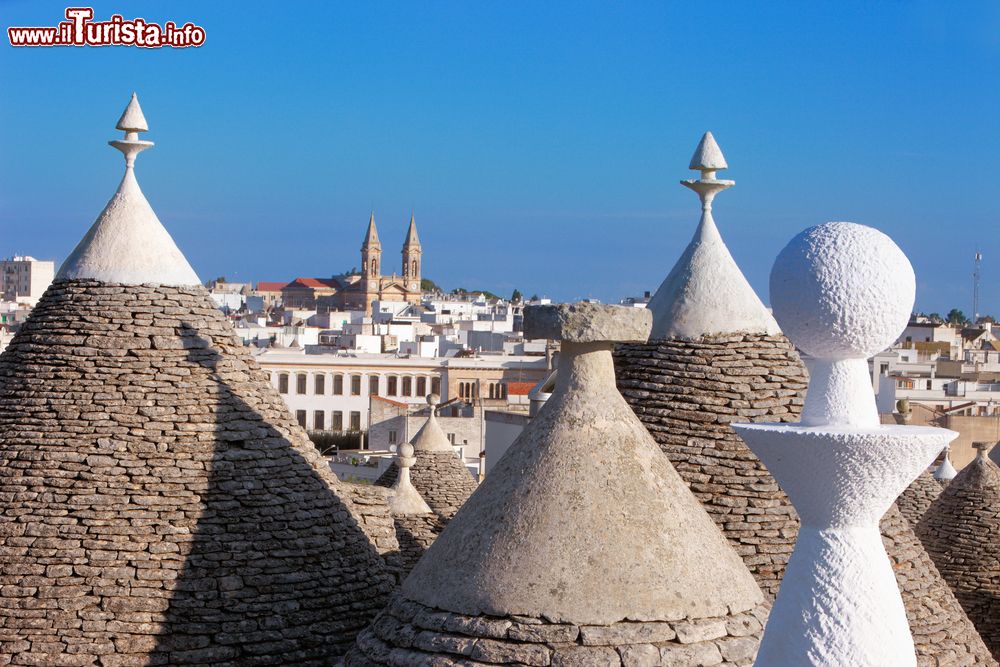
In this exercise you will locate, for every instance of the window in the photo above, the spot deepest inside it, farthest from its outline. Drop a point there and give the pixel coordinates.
(355, 385)
(355, 420)
(392, 437)
(421, 386)
(436, 386)
(300, 417)
(283, 383)
(407, 386)
(338, 385)
(300, 383)
(338, 421)
(319, 423)
(392, 389)
(451, 438)
(373, 385)
(883, 369)
(928, 384)
(320, 385)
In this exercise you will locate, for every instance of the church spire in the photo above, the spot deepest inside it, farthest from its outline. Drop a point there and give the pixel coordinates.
(411, 234)
(371, 236)
(411, 261)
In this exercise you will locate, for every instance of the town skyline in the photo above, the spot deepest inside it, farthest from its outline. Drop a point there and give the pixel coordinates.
(500, 129)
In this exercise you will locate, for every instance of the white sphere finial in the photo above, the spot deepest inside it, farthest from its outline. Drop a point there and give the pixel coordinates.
(841, 290)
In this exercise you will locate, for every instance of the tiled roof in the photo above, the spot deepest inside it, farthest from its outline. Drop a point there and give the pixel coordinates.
(270, 286)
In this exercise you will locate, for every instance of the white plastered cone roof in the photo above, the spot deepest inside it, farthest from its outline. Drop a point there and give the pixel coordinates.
(706, 294)
(128, 244)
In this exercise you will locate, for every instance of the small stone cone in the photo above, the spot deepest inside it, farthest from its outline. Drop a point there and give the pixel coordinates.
(961, 531)
(521, 574)
(919, 495)
(440, 477)
(416, 525)
(168, 509)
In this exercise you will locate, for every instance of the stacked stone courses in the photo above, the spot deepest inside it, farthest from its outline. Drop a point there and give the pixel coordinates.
(160, 506)
(687, 393)
(412, 634)
(441, 478)
(917, 498)
(961, 531)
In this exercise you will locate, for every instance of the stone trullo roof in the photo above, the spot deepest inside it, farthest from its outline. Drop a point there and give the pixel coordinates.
(961, 531)
(162, 506)
(918, 497)
(438, 474)
(687, 392)
(583, 545)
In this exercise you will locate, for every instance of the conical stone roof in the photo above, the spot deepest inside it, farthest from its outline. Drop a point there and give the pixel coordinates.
(687, 390)
(583, 545)
(162, 506)
(961, 531)
(442, 480)
(919, 495)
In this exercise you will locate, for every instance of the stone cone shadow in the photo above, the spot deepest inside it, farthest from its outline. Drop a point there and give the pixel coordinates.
(272, 568)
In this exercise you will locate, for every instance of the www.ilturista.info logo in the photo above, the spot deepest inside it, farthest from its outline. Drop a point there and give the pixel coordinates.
(81, 30)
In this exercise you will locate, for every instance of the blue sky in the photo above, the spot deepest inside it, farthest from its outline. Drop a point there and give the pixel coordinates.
(539, 144)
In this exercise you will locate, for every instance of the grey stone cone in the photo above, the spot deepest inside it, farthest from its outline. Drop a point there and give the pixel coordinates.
(582, 547)
(163, 507)
(584, 487)
(961, 531)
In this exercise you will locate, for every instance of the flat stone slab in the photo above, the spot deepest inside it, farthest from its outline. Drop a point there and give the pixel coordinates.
(587, 323)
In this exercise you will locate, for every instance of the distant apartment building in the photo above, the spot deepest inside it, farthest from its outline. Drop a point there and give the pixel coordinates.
(333, 391)
(23, 279)
(943, 375)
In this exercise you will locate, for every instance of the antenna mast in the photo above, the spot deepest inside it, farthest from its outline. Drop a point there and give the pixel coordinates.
(976, 275)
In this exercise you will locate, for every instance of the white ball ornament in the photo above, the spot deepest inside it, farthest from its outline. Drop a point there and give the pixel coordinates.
(841, 290)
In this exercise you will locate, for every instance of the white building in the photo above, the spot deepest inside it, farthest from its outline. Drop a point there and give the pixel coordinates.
(23, 279)
(331, 391)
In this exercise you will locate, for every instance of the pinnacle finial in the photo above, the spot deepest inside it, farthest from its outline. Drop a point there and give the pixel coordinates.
(708, 156)
(708, 159)
(132, 122)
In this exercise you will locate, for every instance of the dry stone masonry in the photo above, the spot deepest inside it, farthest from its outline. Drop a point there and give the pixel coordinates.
(918, 496)
(688, 390)
(962, 534)
(687, 393)
(159, 505)
(582, 547)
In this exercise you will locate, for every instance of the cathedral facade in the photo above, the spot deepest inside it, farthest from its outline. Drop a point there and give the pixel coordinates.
(373, 285)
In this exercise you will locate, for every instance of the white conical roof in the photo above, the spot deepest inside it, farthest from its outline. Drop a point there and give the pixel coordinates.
(946, 471)
(128, 244)
(706, 294)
